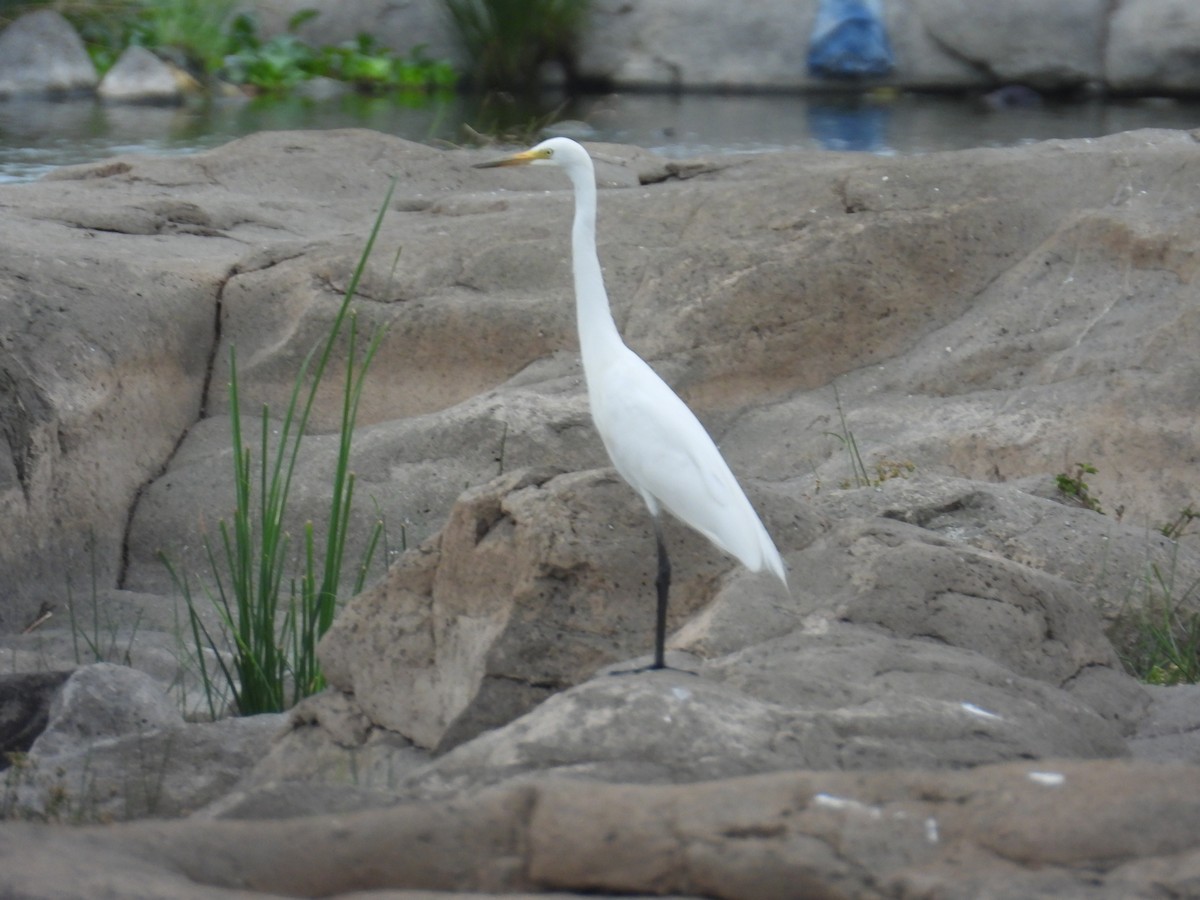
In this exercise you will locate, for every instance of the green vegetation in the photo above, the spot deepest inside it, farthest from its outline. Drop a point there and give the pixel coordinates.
(271, 624)
(1157, 630)
(508, 41)
(101, 640)
(885, 468)
(211, 40)
(1177, 527)
(284, 61)
(1160, 633)
(1072, 486)
(195, 30)
(858, 469)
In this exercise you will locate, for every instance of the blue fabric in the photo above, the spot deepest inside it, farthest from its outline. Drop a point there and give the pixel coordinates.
(849, 40)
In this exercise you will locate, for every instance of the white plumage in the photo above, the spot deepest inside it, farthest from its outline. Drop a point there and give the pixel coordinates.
(655, 442)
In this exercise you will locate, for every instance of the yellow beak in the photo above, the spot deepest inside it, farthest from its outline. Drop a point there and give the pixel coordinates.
(518, 159)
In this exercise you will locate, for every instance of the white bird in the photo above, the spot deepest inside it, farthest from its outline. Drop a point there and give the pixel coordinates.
(655, 442)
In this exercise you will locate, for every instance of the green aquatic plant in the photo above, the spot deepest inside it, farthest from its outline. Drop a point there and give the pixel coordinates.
(264, 652)
(280, 63)
(508, 41)
(197, 30)
(211, 38)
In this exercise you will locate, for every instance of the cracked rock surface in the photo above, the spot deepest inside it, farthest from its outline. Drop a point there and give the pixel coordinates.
(901, 359)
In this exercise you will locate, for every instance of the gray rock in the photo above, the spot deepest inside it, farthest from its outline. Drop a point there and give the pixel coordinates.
(116, 747)
(402, 26)
(912, 587)
(893, 337)
(949, 606)
(101, 702)
(140, 76)
(919, 707)
(147, 632)
(951, 611)
(1171, 729)
(330, 758)
(1097, 829)
(534, 584)
(40, 53)
(678, 45)
(1057, 47)
(901, 648)
(139, 336)
(1151, 47)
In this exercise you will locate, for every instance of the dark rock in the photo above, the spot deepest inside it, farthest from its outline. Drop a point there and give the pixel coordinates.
(25, 700)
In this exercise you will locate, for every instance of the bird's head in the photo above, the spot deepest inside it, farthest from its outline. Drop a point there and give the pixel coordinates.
(557, 151)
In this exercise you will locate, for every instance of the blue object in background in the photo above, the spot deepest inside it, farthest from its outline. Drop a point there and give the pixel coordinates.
(849, 40)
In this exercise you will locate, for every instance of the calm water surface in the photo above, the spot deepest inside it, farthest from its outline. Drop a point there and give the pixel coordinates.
(37, 136)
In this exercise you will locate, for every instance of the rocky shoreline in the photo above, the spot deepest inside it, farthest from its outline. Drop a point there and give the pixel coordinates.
(980, 321)
(1139, 48)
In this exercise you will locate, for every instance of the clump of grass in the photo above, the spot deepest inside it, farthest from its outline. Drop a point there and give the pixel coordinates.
(860, 477)
(1161, 636)
(100, 639)
(505, 119)
(272, 624)
(1177, 527)
(885, 468)
(1072, 486)
(198, 30)
(508, 41)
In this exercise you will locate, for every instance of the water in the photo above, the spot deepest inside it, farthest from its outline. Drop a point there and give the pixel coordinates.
(37, 136)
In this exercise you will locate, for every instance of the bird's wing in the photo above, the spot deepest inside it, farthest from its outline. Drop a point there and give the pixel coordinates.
(659, 446)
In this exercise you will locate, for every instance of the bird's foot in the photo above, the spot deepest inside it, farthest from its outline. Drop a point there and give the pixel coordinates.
(653, 667)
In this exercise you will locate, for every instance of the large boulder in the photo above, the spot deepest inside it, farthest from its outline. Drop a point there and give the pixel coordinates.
(897, 356)
(100, 337)
(104, 356)
(114, 746)
(1047, 47)
(987, 329)
(138, 76)
(1051, 828)
(1151, 47)
(928, 260)
(534, 584)
(41, 54)
(900, 648)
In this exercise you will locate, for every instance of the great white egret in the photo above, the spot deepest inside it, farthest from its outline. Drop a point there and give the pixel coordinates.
(654, 440)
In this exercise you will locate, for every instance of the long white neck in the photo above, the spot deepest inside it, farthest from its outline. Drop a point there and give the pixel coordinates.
(598, 335)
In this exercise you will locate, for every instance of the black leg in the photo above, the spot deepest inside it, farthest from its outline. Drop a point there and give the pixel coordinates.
(663, 584)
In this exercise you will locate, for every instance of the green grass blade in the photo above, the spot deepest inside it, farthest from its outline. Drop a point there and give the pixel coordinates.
(274, 649)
